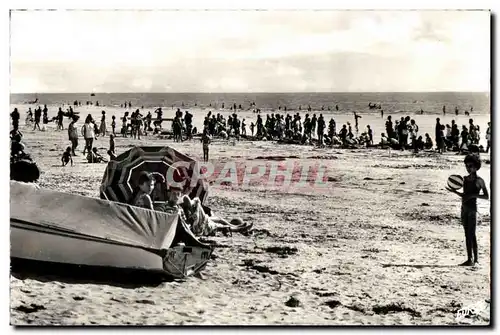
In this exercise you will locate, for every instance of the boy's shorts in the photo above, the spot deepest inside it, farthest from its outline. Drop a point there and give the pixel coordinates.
(468, 217)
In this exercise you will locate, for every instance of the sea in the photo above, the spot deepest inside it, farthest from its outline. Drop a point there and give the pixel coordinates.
(430, 102)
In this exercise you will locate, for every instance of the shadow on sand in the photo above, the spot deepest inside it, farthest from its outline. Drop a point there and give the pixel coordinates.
(420, 266)
(76, 274)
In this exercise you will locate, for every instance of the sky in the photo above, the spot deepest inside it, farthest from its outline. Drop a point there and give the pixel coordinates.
(249, 51)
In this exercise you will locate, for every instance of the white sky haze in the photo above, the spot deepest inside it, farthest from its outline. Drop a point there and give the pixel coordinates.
(249, 51)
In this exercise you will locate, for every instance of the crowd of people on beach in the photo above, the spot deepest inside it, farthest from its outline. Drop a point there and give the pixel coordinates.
(447, 138)
(280, 126)
(402, 134)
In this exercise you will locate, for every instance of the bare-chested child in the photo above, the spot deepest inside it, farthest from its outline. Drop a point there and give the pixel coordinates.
(206, 139)
(113, 124)
(66, 157)
(473, 184)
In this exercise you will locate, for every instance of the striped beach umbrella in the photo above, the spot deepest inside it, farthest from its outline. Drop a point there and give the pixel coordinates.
(121, 175)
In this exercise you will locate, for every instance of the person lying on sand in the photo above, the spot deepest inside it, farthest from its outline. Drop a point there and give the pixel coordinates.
(66, 157)
(202, 224)
(473, 184)
(94, 157)
(192, 213)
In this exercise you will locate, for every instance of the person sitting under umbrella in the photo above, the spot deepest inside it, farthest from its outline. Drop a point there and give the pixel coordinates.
(145, 186)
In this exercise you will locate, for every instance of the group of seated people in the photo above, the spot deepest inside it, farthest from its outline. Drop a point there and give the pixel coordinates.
(419, 144)
(150, 187)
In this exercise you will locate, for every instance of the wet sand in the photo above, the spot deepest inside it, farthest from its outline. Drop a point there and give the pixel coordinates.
(379, 245)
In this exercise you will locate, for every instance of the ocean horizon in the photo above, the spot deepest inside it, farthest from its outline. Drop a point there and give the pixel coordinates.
(391, 102)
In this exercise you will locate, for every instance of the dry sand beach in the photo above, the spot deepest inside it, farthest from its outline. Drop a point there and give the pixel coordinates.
(379, 245)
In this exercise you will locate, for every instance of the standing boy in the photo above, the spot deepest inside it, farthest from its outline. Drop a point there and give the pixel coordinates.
(473, 184)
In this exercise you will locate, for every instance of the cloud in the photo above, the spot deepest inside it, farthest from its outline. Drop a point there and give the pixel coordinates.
(81, 51)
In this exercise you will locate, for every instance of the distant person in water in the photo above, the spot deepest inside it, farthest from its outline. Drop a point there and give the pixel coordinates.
(356, 125)
(66, 157)
(473, 185)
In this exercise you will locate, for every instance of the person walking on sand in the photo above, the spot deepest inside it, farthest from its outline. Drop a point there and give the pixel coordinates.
(113, 125)
(45, 114)
(60, 115)
(38, 116)
(473, 184)
(102, 128)
(88, 134)
(73, 135)
(124, 129)
(465, 140)
(29, 117)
